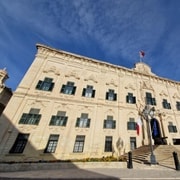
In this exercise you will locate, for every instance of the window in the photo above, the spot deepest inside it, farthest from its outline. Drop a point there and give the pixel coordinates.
(172, 128)
(109, 123)
(133, 143)
(59, 120)
(20, 143)
(88, 92)
(108, 144)
(79, 144)
(130, 98)
(178, 106)
(150, 100)
(83, 121)
(111, 96)
(69, 88)
(166, 105)
(33, 117)
(46, 85)
(131, 124)
(52, 143)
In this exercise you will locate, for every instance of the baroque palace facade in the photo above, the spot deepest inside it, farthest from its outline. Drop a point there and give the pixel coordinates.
(69, 106)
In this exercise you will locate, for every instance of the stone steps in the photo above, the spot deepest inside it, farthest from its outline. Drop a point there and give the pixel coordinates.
(163, 154)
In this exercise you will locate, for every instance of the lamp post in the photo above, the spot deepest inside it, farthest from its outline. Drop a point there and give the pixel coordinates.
(149, 112)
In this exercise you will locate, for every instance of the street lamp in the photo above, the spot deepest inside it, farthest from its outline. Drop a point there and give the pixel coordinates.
(148, 114)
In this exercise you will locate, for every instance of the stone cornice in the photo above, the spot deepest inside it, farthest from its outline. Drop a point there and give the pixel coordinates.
(48, 51)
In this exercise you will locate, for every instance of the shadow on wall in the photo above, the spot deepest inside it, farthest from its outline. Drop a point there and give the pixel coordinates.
(15, 145)
(14, 151)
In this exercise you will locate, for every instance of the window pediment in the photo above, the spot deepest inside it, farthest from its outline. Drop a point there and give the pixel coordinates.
(52, 69)
(162, 93)
(112, 82)
(176, 96)
(72, 74)
(91, 78)
(130, 86)
(146, 85)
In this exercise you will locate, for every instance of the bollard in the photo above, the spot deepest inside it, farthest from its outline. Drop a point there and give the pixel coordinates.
(176, 161)
(129, 163)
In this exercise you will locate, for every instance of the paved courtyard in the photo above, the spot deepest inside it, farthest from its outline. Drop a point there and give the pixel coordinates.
(137, 172)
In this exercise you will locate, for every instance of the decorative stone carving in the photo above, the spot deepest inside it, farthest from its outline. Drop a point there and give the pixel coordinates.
(130, 86)
(52, 69)
(112, 82)
(73, 74)
(143, 68)
(162, 93)
(91, 78)
(146, 85)
(143, 87)
(176, 96)
(110, 112)
(37, 103)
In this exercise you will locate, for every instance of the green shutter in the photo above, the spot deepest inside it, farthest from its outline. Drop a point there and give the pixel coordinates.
(51, 87)
(52, 122)
(37, 118)
(77, 122)
(154, 101)
(74, 90)
(63, 88)
(174, 129)
(65, 121)
(93, 93)
(88, 122)
(115, 97)
(23, 118)
(170, 128)
(107, 95)
(114, 124)
(84, 92)
(38, 86)
(104, 126)
(127, 99)
(134, 100)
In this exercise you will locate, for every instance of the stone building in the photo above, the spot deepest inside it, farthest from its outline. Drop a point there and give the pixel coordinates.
(69, 106)
(5, 92)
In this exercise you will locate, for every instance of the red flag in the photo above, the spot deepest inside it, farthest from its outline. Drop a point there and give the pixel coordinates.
(138, 125)
(142, 54)
(137, 128)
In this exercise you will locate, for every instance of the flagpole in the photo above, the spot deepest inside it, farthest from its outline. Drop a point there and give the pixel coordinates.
(140, 59)
(141, 55)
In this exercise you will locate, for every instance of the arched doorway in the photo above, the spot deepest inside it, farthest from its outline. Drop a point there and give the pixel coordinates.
(156, 132)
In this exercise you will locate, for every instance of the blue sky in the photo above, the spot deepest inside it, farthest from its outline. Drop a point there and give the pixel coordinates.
(109, 30)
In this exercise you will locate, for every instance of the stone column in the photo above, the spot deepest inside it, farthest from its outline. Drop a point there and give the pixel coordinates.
(162, 125)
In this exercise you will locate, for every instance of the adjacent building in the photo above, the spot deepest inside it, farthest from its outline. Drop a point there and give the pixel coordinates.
(69, 106)
(5, 92)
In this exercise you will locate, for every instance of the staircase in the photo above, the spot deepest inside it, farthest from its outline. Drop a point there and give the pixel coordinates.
(163, 154)
(140, 155)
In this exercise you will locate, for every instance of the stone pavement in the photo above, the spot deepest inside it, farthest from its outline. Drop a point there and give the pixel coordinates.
(139, 171)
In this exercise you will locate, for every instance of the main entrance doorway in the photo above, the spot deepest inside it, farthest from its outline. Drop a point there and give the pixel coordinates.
(156, 132)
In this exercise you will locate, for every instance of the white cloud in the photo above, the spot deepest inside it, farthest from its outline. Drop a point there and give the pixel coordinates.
(119, 28)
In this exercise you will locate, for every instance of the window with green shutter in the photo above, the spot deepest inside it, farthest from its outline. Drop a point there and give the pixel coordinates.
(46, 85)
(69, 88)
(59, 120)
(88, 92)
(83, 121)
(131, 124)
(130, 98)
(111, 95)
(33, 117)
(109, 123)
